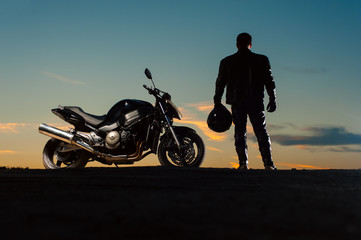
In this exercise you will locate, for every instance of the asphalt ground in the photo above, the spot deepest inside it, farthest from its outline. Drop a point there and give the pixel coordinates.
(173, 203)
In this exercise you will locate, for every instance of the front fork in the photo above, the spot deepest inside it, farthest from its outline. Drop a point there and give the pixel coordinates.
(170, 126)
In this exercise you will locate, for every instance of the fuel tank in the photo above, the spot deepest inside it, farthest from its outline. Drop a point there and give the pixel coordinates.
(126, 113)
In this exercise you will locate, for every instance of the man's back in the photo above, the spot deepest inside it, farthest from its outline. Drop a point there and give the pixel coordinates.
(246, 74)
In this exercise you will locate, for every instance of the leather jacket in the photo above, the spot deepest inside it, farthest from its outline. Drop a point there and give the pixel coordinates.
(246, 75)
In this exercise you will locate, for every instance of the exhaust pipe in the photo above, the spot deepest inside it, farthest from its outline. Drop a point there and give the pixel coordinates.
(65, 137)
(77, 141)
(56, 133)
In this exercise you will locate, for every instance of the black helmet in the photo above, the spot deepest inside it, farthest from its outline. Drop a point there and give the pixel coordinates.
(219, 119)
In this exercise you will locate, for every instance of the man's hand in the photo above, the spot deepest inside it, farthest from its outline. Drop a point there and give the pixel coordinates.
(271, 107)
(217, 104)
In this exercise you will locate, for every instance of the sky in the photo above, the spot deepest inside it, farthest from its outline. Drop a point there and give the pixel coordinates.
(93, 53)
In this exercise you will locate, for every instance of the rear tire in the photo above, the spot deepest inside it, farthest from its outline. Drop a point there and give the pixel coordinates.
(53, 159)
(191, 155)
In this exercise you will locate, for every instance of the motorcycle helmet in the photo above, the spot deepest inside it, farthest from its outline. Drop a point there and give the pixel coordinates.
(219, 119)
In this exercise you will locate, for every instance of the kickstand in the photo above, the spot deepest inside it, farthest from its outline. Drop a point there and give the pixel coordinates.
(116, 165)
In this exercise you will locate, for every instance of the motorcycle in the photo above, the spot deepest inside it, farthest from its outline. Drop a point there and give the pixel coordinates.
(130, 131)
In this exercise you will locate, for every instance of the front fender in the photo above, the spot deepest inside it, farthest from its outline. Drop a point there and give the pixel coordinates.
(178, 131)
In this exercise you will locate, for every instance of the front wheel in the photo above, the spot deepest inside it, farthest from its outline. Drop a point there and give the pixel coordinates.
(55, 158)
(191, 153)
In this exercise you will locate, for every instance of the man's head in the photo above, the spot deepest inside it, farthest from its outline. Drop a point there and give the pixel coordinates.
(244, 41)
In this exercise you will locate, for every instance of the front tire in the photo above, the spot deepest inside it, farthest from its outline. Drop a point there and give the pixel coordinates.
(191, 154)
(53, 158)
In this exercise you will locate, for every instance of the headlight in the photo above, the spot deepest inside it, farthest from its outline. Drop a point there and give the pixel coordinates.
(167, 97)
(174, 109)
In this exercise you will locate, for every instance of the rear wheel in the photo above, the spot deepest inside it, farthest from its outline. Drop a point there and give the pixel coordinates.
(55, 158)
(191, 153)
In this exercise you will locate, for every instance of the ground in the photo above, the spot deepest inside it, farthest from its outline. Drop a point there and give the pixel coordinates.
(170, 203)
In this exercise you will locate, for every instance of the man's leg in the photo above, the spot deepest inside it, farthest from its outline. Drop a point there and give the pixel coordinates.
(240, 135)
(258, 120)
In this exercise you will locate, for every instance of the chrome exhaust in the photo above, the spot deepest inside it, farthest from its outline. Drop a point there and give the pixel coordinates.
(56, 133)
(65, 137)
(78, 141)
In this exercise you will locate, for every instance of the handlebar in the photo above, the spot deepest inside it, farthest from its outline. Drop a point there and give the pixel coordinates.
(152, 91)
(146, 87)
(156, 92)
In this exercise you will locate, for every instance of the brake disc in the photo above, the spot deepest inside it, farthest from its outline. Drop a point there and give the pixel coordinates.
(186, 154)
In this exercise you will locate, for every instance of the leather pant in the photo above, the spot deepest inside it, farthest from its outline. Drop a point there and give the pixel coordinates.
(258, 120)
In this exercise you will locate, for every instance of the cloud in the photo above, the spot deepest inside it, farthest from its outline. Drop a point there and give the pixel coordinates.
(234, 165)
(7, 152)
(303, 147)
(320, 136)
(343, 149)
(202, 125)
(62, 78)
(12, 127)
(16, 127)
(202, 106)
(194, 114)
(214, 149)
(275, 127)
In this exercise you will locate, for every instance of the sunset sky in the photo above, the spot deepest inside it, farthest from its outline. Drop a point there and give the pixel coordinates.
(92, 54)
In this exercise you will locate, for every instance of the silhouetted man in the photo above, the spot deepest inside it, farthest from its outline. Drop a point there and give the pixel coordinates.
(246, 75)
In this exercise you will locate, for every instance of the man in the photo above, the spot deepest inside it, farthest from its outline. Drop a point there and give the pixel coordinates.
(246, 75)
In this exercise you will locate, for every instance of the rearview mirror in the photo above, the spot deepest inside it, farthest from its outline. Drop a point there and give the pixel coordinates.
(148, 74)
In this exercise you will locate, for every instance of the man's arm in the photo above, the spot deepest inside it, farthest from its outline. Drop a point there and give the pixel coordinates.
(270, 87)
(221, 82)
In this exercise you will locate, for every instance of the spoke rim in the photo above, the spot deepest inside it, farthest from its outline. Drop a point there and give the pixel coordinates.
(189, 153)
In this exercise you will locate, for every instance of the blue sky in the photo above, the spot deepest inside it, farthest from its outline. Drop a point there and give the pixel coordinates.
(93, 53)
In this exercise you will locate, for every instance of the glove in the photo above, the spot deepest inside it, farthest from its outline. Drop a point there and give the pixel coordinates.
(271, 107)
(217, 104)
(217, 101)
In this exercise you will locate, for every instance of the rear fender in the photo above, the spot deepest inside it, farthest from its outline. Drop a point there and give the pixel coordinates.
(67, 114)
(71, 117)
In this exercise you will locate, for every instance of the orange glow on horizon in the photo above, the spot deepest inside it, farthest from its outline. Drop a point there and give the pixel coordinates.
(203, 106)
(11, 127)
(214, 149)
(202, 125)
(7, 152)
(302, 147)
(234, 165)
(292, 165)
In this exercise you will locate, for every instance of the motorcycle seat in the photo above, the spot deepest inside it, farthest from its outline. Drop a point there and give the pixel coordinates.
(91, 119)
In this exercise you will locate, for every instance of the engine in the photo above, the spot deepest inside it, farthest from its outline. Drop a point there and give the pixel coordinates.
(119, 140)
(132, 131)
(112, 140)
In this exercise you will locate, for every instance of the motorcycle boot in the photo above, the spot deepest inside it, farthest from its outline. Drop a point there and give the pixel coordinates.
(243, 158)
(267, 159)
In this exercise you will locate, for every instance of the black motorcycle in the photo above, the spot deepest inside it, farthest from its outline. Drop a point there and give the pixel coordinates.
(130, 131)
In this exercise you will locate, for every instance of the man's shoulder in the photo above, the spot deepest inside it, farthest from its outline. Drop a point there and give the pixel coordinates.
(259, 57)
(235, 57)
(229, 58)
(237, 54)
